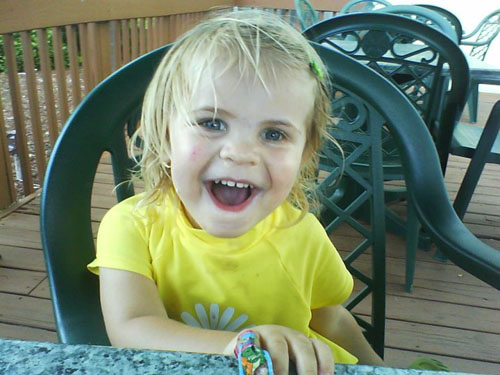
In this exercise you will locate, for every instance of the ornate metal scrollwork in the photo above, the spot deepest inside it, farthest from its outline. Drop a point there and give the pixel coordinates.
(376, 43)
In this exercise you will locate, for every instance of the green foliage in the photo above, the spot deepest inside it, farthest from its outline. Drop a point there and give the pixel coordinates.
(18, 50)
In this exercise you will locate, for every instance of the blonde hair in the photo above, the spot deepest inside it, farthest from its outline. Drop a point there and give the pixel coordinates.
(254, 41)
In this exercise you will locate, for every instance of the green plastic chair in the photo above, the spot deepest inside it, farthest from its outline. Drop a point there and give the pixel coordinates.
(480, 39)
(358, 6)
(101, 123)
(105, 117)
(381, 41)
(306, 14)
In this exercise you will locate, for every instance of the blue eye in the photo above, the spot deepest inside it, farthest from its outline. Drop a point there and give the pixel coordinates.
(213, 124)
(274, 135)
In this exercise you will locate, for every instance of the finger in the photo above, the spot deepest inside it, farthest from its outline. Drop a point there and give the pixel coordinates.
(251, 358)
(248, 337)
(278, 350)
(303, 354)
(324, 357)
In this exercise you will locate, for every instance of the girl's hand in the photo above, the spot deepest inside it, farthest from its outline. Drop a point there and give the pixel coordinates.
(311, 356)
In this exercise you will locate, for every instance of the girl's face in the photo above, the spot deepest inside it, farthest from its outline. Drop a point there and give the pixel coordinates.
(241, 159)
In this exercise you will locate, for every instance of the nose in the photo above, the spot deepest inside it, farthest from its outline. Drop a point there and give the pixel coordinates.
(239, 150)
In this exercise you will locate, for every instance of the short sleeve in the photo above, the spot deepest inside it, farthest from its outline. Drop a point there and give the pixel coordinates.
(122, 241)
(332, 283)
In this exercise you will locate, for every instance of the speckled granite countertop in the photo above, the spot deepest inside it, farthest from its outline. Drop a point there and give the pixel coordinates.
(33, 358)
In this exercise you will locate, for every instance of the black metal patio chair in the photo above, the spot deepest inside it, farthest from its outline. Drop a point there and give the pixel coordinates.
(481, 145)
(424, 15)
(358, 6)
(428, 68)
(305, 13)
(480, 40)
(449, 16)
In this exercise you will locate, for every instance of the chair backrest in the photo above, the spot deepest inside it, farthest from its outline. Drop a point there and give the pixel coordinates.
(481, 37)
(450, 17)
(100, 123)
(306, 14)
(426, 16)
(357, 6)
(415, 57)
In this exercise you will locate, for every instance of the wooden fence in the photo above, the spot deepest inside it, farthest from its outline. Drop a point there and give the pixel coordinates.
(64, 49)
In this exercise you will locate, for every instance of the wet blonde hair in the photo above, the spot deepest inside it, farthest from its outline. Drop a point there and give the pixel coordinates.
(256, 42)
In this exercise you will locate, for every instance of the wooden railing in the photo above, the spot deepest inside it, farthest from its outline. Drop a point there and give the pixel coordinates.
(67, 47)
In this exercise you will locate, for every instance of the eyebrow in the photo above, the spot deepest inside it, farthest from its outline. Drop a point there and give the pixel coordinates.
(225, 113)
(215, 111)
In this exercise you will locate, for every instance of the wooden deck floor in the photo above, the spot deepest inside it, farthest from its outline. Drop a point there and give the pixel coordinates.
(450, 315)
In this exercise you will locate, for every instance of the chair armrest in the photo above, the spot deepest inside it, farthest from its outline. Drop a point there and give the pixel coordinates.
(475, 44)
(422, 169)
(472, 33)
(491, 18)
(454, 239)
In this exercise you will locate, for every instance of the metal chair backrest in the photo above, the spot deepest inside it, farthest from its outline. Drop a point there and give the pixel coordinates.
(426, 16)
(415, 57)
(357, 6)
(448, 15)
(481, 37)
(306, 14)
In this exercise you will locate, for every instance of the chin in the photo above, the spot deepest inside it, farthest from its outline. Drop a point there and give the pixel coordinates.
(226, 232)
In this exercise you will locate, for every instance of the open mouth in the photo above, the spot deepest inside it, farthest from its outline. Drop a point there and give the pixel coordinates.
(230, 195)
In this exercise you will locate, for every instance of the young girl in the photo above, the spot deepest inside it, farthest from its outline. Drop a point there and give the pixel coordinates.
(221, 242)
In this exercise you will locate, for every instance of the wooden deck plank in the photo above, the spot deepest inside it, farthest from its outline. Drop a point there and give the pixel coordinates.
(452, 346)
(19, 281)
(402, 358)
(432, 290)
(18, 332)
(23, 228)
(21, 258)
(20, 237)
(443, 341)
(439, 314)
(434, 271)
(42, 290)
(26, 311)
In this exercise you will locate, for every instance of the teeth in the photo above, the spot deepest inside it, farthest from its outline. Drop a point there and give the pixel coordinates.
(240, 185)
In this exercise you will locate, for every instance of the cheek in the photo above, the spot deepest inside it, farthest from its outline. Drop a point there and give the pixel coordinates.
(285, 172)
(189, 150)
(195, 153)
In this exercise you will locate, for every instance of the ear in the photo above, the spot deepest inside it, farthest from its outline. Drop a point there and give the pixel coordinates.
(165, 157)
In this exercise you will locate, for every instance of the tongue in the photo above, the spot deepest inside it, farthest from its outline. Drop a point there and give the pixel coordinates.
(231, 196)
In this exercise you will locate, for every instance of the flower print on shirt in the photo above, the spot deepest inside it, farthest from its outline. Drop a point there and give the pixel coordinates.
(212, 319)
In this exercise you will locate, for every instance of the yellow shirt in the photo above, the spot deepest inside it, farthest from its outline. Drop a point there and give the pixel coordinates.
(276, 273)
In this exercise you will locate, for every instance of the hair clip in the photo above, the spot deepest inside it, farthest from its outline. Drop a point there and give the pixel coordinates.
(252, 360)
(313, 64)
